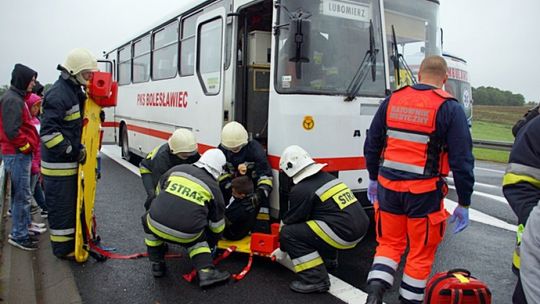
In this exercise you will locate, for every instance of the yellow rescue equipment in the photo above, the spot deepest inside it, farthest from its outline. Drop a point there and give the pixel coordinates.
(101, 93)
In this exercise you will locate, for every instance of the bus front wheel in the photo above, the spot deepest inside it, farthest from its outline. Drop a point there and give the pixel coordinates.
(125, 144)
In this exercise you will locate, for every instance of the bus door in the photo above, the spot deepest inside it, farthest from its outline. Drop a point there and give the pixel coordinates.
(108, 126)
(206, 98)
(253, 56)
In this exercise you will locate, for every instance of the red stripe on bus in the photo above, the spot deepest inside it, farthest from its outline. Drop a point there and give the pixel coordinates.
(110, 124)
(334, 164)
(163, 135)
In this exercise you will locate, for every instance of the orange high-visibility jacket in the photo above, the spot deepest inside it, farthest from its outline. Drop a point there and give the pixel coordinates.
(411, 144)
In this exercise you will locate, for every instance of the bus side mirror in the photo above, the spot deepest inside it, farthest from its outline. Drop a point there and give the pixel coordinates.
(299, 37)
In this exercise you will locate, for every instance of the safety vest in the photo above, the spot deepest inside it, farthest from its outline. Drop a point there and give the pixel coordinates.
(411, 143)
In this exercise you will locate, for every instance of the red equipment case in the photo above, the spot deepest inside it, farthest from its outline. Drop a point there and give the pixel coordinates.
(456, 286)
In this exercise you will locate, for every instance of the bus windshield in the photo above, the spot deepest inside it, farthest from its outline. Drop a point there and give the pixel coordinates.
(416, 27)
(339, 38)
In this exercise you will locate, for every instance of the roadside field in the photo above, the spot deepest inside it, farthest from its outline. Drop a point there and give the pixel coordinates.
(494, 123)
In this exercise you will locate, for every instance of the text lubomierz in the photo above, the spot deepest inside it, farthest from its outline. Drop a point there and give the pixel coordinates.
(163, 99)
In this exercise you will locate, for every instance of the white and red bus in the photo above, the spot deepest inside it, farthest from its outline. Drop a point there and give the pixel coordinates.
(305, 72)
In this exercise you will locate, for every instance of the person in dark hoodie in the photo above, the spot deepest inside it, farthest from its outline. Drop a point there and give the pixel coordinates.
(61, 148)
(18, 138)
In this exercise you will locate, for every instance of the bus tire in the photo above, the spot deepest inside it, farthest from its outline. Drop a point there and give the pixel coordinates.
(125, 144)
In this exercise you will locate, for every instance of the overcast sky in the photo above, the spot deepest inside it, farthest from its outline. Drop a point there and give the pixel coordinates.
(499, 39)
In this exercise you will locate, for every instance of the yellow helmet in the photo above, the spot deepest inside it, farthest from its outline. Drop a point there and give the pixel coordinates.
(80, 60)
(233, 136)
(182, 141)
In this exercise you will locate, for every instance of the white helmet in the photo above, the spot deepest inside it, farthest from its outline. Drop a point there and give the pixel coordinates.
(298, 164)
(80, 60)
(213, 161)
(182, 141)
(233, 136)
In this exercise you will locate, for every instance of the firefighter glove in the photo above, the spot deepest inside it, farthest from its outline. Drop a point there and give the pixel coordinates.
(461, 214)
(81, 158)
(372, 191)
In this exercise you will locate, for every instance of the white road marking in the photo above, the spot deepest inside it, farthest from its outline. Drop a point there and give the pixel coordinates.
(490, 170)
(451, 180)
(497, 198)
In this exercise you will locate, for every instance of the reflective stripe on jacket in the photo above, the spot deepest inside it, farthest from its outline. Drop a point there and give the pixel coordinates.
(189, 201)
(330, 209)
(61, 122)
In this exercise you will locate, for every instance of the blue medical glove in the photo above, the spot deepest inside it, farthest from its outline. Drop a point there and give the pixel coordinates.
(372, 191)
(461, 214)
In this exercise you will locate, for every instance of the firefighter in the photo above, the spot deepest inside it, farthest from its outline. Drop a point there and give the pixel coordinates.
(181, 148)
(521, 185)
(188, 210)
(407, 185)
(247, 157)
(61, 149)
(323, 216)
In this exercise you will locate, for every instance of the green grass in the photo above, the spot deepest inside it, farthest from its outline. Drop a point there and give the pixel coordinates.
(491, 155)
(492, 131)
(494, 123)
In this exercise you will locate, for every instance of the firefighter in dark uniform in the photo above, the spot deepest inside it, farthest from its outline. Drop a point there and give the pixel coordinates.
(247, 157)
(181, 148)
(323, 216)
(61, 149)
(189, 211)
(416, 136)
(521, 185)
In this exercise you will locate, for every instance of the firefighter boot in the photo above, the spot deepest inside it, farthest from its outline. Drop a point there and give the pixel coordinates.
(311, 280)
(375, 291)
(302, 287)
(210, 276)
(158, 269)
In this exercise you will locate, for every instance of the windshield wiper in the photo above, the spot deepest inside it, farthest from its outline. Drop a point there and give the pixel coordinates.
(398, 58)
(369, 61)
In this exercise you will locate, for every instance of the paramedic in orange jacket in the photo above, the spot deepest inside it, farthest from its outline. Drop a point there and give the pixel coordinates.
(417, 135)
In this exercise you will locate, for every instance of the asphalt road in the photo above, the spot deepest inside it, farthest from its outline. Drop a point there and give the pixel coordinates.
(485, 248)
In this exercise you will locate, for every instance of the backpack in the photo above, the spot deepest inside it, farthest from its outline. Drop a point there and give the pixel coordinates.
(456, 286)
(531, 113)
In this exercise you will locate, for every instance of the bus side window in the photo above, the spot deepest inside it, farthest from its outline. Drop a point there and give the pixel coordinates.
(209, 56)
(164, 59)
(187, 46)
(141, 60)
(124, 65)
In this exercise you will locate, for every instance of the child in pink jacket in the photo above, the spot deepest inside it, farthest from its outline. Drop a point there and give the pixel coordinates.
(34, 103)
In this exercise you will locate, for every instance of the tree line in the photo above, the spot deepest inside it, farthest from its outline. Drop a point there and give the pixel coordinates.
(496, 97)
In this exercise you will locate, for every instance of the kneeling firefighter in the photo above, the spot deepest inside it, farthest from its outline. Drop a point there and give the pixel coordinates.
(181, 148)
(188, 210)
(324, 216)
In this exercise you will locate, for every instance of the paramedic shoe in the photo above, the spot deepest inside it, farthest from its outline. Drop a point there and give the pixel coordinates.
(210, 276)
(159, 269)
(302, 287)
(375, 291)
